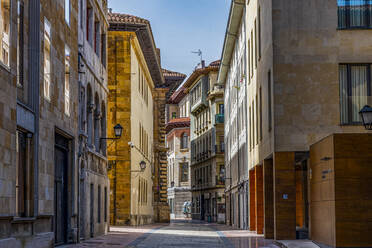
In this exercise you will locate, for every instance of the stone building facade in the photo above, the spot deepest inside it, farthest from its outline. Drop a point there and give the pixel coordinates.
(207, 143)
(237, 187)
(40, 122)
(93, 93)
(134, 63)
(307, 79)
(178, 144)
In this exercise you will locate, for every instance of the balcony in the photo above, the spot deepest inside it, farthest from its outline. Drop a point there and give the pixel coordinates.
(220, 118)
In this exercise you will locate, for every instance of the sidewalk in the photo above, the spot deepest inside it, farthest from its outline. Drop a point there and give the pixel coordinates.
(118, 237)
(303, 243)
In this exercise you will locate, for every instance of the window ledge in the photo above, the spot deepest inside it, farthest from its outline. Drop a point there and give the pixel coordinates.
(351, 124)
(90, 150)
(23, 220)
(5, 67)
(355, 28)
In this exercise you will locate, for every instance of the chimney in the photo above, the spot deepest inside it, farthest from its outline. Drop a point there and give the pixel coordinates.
(203, 64)
(158, 53)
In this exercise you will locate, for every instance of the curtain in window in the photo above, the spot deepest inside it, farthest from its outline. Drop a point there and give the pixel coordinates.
(359, 90)
(343, 94)
(369, 9)
(358, 12)
(354, 13)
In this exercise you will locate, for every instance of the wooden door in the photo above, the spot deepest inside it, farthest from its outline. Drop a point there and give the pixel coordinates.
(60, 191)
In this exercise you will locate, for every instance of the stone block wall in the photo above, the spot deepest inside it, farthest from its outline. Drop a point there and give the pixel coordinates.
(119, 111)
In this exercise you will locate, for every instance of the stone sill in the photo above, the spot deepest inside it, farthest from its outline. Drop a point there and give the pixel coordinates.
(99, 155)
(17, 220)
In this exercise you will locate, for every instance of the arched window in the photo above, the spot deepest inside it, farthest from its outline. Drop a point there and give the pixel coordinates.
(89, 109)
(184, 141)
(103, 128)
(97, 118)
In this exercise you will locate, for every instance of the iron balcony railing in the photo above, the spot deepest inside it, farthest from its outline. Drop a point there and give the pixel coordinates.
(220, 118)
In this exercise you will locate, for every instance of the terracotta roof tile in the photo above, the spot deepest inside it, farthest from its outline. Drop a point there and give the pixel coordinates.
(215, 63)
(168, 73)
(184, 119)
(125, 18)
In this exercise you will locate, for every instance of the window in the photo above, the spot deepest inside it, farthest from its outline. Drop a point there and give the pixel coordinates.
(20, 44)
(255, 43)
(99, 205)
(184, 171)
(184, 141)
(21, 172)
(81, 14)
(354, 14)
(97, 35)
(249, 60)
(89, 26)
(4, 31)
(67, 81)
(252, 53)
(269, 111)
(103, 49)
(67, 11)
(47, 64)
(221, 109)
(355, 88)
(105, 206)
(259, 33)
(256, 116)
(260, 109)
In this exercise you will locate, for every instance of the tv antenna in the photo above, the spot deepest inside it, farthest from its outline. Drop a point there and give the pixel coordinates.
(199, 53)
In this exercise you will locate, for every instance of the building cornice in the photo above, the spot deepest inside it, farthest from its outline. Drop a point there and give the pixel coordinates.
(232, 29)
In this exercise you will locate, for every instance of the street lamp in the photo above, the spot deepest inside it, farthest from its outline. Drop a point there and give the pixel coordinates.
(142, 165)
(118, 129)
(366, 114)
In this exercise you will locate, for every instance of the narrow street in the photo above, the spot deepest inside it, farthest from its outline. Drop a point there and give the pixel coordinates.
(180, 233)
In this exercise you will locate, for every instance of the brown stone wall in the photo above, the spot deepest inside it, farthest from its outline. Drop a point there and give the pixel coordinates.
(119, 109)
(160, 186)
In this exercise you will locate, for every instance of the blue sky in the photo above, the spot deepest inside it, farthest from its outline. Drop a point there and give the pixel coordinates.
(182, 26)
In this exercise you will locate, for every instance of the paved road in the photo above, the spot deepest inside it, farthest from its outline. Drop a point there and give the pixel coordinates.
(179, 234)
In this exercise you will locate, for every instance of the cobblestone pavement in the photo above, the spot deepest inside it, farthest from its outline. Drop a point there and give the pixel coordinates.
(182, 234)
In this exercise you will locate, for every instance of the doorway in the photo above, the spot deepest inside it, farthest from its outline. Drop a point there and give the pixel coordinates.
(61, 189)
(91, 210)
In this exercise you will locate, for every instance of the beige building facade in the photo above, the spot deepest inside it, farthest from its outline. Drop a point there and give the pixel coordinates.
(178, 144)
(207, 143)
(131, 104)
(307, 78)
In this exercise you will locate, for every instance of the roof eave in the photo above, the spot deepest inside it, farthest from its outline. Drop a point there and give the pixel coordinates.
(235, 16)
(139, 28)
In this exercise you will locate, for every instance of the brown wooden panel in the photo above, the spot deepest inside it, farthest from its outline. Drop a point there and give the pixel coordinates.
(252, 200)
(284, 196)
(268, 199)
(259, 199)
